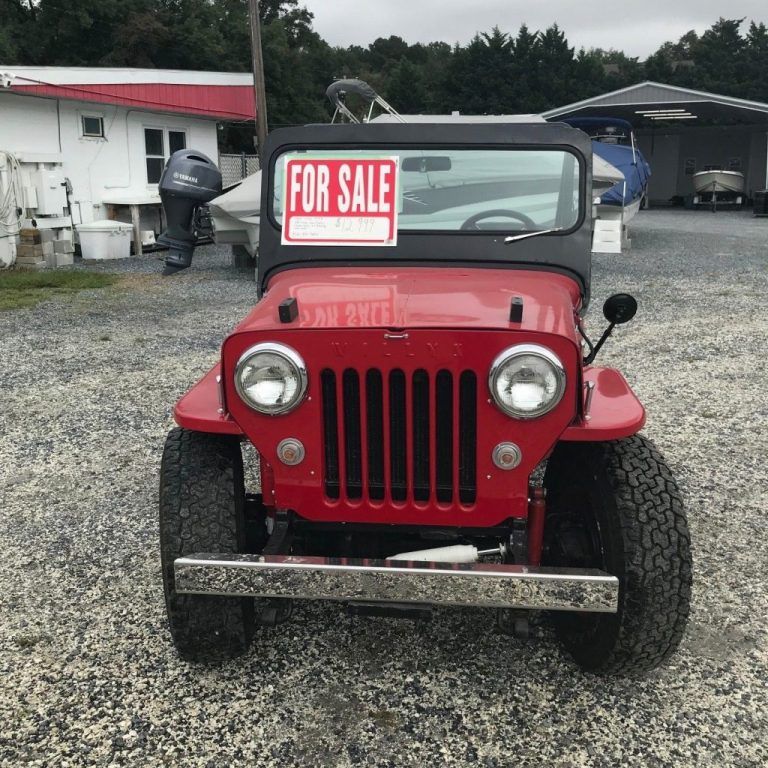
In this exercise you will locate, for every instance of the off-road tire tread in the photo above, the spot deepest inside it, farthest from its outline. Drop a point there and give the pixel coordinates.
(652, 530)
(201, 510)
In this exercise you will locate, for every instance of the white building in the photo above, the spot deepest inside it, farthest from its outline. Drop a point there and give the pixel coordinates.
(81, 144)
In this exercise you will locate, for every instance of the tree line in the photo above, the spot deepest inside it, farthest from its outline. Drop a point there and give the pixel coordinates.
(497, 72)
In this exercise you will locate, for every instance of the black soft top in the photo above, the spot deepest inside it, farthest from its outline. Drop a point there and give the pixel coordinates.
(568, 253)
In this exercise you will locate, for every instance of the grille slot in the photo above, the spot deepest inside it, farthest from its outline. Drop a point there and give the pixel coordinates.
(444, 436)
(402, 437)
(330, 434)
(353, 451)
(420, 388)
(398, 440)
(375, 415)
(467, 437)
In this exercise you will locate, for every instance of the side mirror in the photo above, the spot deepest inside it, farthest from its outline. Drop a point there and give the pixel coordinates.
(619, 308)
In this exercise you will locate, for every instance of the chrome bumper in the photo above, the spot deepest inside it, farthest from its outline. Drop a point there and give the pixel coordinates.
(488, 585)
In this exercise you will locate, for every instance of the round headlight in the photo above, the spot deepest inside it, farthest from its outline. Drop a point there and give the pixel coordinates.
(271, 378)
(527, 381)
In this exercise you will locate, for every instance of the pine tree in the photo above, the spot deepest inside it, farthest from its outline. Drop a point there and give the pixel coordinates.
(756, 63)
(719, 58)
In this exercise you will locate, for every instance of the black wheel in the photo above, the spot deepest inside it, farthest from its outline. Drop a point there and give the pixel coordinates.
(616, 506)
(202, 499)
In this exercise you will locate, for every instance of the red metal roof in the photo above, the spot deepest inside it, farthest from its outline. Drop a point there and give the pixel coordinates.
(224, 102)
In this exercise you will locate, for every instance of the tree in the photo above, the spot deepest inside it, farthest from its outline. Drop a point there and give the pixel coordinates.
(556, 77)
(756, 63)
(405, 91)
(480, 75)
(496, 72)
(385, 52)
(525, 68)
(719, 58)
(17, 17)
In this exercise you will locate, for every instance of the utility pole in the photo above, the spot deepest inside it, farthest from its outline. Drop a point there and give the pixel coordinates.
(257, 63)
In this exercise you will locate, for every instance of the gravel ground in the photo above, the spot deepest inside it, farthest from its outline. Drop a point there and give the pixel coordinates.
(87, 672)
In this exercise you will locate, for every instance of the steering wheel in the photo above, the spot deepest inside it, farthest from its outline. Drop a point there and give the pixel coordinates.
(472, 221)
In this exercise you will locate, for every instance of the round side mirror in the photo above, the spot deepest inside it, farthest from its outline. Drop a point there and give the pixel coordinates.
(619, 308)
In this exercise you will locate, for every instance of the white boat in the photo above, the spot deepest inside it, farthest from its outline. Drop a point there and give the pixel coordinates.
(718, 181)
(235, 214)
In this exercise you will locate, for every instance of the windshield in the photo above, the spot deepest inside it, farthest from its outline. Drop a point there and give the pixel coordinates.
(486, 190)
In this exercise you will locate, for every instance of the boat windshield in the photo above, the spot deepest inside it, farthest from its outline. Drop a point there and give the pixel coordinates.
(499, 191)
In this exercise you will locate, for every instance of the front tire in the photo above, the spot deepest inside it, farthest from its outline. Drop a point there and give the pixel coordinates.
(202, 499)
(616, 506)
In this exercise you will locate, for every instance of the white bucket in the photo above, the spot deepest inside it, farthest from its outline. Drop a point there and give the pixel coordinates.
(105, 240)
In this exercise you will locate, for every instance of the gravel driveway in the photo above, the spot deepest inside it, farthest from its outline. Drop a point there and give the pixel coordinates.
(88, 675)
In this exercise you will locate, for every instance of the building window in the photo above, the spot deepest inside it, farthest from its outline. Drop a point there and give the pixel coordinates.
(690, 166)
(93, 126)
(159, 145)
(155, 147)
(177, 140)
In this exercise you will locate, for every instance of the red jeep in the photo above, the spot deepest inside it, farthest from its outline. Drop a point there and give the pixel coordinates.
(418, 383)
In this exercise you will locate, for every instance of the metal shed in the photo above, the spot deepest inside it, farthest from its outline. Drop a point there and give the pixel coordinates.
(680, 131)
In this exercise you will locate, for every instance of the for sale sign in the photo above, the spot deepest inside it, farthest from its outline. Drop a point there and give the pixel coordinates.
(340, 201)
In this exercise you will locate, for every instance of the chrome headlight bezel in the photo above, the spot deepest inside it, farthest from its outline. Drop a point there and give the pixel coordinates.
(505, 357)
(294, 360)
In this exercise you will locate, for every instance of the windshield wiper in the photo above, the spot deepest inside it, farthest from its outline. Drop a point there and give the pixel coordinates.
(513, 238)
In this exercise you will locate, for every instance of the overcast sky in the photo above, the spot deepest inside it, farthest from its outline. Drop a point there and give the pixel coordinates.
(637, 28)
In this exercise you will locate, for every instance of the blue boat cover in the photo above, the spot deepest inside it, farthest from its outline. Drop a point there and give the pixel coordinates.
(634, 167)
(636, 172)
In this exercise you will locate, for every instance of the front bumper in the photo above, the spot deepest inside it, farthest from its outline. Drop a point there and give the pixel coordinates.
(489, 585)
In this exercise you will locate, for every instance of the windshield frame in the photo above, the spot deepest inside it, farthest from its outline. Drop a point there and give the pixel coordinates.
(383, 149)
(568, 253)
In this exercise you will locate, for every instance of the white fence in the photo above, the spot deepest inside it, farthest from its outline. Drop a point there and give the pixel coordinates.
(236, 167)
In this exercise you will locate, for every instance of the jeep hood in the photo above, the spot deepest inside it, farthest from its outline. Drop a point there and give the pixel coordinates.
(419, 297)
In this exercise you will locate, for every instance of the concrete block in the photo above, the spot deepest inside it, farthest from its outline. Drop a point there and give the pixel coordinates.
(64, 259)
(47, 248)
(47, 235)
(29, 235)
(50, 260)
(63, 246)
(30, 261)
(27, 250)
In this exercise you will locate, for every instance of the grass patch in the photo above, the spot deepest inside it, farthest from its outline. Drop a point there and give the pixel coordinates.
(21, 288)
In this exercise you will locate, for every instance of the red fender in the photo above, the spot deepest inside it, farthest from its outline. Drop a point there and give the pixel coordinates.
(201, 408)
(614, 413)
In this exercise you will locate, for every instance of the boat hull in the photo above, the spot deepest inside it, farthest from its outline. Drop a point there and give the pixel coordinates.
(626, 213)
(718, 181)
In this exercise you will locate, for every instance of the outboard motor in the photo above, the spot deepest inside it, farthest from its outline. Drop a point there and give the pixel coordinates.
(189, 181)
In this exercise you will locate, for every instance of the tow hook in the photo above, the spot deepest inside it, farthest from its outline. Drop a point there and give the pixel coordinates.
(510, 621)
(276, 610)
(514, 623)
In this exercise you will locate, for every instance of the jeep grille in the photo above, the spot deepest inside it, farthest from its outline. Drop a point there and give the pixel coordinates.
(391, 438)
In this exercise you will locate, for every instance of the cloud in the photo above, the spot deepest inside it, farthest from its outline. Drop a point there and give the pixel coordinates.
(637, 28)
